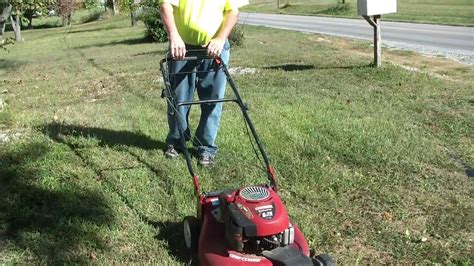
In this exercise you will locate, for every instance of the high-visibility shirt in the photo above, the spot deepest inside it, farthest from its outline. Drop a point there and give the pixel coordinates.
(198, 21)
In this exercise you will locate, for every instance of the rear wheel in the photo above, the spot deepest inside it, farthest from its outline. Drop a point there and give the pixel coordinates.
(191, 229)
(323, 260)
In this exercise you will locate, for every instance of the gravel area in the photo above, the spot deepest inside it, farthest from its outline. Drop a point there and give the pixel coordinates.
(461, 56)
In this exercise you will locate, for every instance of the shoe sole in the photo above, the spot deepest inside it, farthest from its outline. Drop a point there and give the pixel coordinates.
(206, 164)
(171, 156)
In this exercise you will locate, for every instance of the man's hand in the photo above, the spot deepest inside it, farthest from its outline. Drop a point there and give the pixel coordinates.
(177, 47)
(215, 46)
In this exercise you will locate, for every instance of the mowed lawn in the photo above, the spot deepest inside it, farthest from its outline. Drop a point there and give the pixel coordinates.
(454, 12)
(374, 165)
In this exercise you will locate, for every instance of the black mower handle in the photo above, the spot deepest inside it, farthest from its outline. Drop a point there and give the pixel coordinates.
(168, 58)
(189, 58)
(201, 55)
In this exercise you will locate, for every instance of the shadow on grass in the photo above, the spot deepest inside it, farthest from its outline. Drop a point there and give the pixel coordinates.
(296, 67)
(107, 137)
(51, 25)
(135, 41)
(291, 67)
(10, 64)
(105, 28)
(50, 226)
(157, 52)
(171, 232)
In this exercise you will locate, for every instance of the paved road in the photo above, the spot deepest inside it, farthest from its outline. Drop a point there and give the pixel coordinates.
(451, 41)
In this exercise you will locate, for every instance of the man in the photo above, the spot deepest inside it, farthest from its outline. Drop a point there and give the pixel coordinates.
(198, 25)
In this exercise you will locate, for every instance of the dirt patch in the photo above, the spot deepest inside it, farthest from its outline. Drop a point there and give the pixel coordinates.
(242, 70)
(365, 253)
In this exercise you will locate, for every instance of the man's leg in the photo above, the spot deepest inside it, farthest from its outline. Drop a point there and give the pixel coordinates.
(211, 85)
(184, 86)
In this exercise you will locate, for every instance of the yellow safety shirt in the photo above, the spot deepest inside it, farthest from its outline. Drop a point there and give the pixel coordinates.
(198, 21)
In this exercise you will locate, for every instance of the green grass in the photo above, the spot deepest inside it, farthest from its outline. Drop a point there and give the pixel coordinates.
(371, 162)
(452, 12)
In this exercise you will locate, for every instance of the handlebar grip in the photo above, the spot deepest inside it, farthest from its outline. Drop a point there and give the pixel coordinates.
(190, 58)
(218, 60)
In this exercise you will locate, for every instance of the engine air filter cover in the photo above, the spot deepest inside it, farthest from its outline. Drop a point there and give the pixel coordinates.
(254, 193)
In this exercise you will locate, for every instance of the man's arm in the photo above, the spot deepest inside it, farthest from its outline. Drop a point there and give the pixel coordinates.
(216, 45)
(177, 46)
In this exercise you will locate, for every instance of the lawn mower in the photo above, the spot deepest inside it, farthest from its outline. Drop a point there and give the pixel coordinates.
(248, 225)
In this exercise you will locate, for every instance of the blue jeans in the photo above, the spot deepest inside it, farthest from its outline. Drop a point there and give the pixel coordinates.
(186, 77)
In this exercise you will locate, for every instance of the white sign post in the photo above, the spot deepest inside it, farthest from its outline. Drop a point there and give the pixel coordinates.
(376, 8)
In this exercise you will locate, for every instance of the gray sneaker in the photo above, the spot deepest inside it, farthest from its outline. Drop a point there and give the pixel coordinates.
(206, 160)
(171, 152)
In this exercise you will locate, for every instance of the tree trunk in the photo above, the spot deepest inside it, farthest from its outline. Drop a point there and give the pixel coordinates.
(116, 7)
(2, 31)
(29, 16)
(133, 16)
(16, 24)
(68, 20)
(4, 15)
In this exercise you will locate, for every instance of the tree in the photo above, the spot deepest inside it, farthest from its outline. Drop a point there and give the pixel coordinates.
(5, 10)
(17, 8)
(15, 18)
(112, 4)
(134, 4)
(66, 9)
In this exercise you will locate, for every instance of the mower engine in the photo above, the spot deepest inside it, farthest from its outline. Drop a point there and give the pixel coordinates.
(255, 220)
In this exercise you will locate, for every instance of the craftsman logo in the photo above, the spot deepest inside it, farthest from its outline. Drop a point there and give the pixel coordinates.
(266, 212)
(244, 258)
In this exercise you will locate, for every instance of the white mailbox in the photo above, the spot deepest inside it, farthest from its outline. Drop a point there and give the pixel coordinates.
(376, 7)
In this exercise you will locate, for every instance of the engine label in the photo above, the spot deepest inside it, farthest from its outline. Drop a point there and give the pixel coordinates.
(266, 212)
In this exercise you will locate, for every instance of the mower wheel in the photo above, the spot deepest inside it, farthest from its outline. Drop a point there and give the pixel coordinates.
(323, 260)
(191, 228)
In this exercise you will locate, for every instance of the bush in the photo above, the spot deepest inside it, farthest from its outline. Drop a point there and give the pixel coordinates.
(89, 4)
(151, 17)
(236, 37)
(338, 9)
(125, 5)
(66, 9)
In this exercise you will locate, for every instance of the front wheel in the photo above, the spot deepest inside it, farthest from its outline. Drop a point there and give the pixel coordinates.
(323, 260)
(191, 228)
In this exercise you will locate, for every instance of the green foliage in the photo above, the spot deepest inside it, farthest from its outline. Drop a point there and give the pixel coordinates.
(236, 37)
(20, 6)
(89, 4)
(155, 28)
(125, 5)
